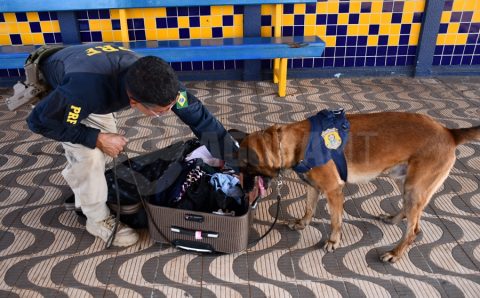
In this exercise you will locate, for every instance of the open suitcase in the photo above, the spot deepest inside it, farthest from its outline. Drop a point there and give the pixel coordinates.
(185, 229)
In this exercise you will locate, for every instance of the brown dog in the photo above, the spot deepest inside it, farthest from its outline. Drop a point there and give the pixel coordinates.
(411, 146)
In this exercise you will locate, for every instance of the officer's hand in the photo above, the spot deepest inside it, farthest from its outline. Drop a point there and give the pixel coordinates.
(111, 143)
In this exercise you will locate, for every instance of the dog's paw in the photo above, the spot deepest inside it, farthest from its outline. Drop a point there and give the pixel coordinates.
(296, 224)
(389, 257)
(331, 245)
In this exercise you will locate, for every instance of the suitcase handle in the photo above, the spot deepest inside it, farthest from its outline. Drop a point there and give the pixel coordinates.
(197, 234)
(193, 246)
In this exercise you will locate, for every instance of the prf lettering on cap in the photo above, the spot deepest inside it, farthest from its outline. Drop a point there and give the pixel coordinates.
(73, 114)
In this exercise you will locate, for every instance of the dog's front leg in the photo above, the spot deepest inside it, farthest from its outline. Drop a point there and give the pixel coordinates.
(312, 200)
(335, 203)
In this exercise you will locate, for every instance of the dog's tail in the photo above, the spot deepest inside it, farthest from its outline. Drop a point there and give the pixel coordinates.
(465, 135)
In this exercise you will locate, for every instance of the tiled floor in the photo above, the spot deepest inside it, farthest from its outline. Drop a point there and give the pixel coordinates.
(45, 250)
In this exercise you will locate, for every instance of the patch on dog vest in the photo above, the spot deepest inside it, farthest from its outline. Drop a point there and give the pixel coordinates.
(332, 138)
(328, 136)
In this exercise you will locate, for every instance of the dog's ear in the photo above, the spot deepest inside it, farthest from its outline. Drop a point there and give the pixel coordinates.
(238, 135)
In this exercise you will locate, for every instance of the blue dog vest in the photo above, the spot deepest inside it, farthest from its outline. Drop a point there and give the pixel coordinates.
(328, 136)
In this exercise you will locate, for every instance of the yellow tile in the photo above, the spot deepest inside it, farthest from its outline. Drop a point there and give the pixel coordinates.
(4, 29)
(413, 40)
(56, 25)
(238, 31)
(216, 10)
(446, 15)
(27, 39)
(419, 5)
(238, 20)
(95, 25)
(183, 22)
(461, 39)
(173, 34)
(395, 29)
(384, 30)
(364, 18)
(476, 16)
(155, 12)
(407, 18)
(322, 7)
(342, 18)
(38, 38)
(267, 9)
(330, 41)
(352, 30)
(205, 21)
(206, 33)
(288, 20)
(332, 7)
(23, 27)
(470, 5)
(12, 28)
(266, 31)
(409, 6)
(217, 21)
(363, 29)
(450, 39)
(310, 19)
(355, 6)
(229, 32)
(309, 31)
(151, 34)
(415, 29)
(227, 10)
(375, 18)
(441, 39)
(46, 26)
(393, 40)
(162, 34)
(321, 31)
(5, 40)
(150, 24)
(458, 5)
(299, 8)
(377, 6)
(108, 36)
(372, 40)
(386, 18)
(10, 17)
(114, 14)
(453, 27)
(117, 35)
(195, 33)
(136, 13)
(33, 17)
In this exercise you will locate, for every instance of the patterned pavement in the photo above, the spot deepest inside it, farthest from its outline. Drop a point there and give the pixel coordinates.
(46, 252)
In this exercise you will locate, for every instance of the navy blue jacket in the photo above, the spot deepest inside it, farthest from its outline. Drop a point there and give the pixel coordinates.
(88, 79)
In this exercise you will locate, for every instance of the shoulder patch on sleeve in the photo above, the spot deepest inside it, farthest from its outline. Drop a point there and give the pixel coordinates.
(182, 101)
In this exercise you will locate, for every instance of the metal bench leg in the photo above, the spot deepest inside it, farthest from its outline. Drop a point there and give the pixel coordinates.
(282, 84)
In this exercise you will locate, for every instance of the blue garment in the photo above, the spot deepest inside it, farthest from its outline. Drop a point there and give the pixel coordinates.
(228, 184)
(328, 136)
(88, 79)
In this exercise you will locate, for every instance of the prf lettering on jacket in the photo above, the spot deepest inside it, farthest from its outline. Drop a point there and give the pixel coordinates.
(104, 49)
(73, 114)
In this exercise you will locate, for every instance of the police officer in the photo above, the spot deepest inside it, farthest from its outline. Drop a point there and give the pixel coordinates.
(89, 83)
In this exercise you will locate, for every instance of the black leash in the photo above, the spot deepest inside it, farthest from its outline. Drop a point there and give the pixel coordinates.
(252, 243)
